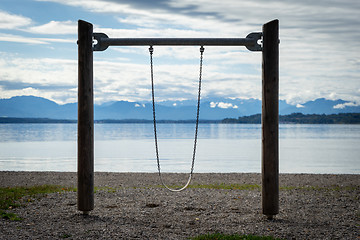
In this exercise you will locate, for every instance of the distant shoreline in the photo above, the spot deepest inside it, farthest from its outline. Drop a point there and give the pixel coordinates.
(294, 118)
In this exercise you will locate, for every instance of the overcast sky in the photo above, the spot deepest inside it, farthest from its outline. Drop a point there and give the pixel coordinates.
(319, 49)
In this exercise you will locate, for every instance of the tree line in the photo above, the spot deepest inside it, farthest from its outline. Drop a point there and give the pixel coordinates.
(299, 118)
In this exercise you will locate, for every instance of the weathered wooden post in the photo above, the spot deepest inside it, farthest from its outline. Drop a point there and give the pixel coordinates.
(270, 119)
(85, 118)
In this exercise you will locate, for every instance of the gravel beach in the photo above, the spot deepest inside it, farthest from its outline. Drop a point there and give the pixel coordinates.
(134, 206)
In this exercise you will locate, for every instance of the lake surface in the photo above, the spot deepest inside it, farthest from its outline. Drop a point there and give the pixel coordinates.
(221, 148)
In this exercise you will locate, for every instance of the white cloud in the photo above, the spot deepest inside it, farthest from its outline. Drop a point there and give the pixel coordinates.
(20, 39)
(113, 80)
(213, 104)
(29, 40)
(348, 104)
(138, 105)
(318, 50)
(39, 70)
(11, 21)
(156, 18)
(55, 79)
(222, 105)
(57, 40)
(55, 27)
(20, 92)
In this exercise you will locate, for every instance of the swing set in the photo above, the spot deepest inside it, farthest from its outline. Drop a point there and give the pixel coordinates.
(270, 97)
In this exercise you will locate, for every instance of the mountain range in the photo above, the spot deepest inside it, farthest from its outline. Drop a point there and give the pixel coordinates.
(211, 108)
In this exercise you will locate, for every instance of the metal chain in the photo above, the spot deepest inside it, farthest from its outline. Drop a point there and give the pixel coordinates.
(151, 50)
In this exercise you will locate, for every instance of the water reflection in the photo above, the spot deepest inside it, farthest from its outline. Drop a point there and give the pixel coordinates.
(221, 148)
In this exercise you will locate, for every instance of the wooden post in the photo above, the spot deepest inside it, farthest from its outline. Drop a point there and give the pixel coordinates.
(85, 118)
(270, 119)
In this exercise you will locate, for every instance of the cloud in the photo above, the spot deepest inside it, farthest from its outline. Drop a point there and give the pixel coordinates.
(138, 105)
(47, 71)
(121, 80)
(11, 21)
(44, 77)
(29, 40)
(20, 39)
(157, 16)
(20, 23)
(55, 27)
(318, 50)
(348, 104)
(222, 105)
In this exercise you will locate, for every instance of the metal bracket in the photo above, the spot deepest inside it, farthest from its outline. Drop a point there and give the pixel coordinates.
(99, 45)
(256, 36)
(251, 42)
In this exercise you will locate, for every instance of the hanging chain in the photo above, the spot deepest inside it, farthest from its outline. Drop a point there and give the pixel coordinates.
(151, 50)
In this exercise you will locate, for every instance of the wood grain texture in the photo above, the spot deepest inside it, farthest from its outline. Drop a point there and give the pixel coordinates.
(85, 118)
(270, 119)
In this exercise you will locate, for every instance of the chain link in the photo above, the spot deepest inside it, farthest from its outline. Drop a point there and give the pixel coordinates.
(151, 51)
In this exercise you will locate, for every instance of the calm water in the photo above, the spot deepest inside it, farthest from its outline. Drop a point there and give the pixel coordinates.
(221, 148)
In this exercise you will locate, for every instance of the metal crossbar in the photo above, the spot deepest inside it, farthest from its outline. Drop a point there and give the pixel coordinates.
(251, 42)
